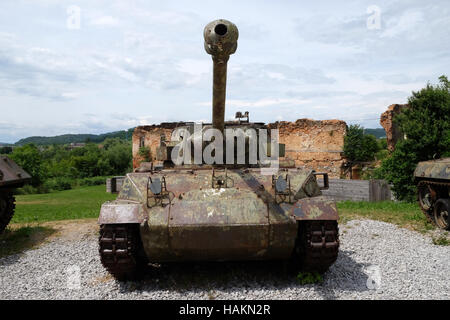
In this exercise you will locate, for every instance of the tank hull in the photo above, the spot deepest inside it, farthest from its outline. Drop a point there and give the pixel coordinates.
(198, 222)
(434, 169)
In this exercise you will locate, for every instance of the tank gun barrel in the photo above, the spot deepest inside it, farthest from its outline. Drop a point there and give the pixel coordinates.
(220, 41)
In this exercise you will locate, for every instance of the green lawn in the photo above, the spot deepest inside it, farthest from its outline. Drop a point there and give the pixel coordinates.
(85, 202)
(79, 203)
(402, 214)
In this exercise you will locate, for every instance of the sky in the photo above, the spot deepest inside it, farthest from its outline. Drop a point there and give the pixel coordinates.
(99, 66)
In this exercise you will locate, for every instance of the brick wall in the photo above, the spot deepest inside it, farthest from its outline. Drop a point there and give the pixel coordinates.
(393, 132)
(314, 144)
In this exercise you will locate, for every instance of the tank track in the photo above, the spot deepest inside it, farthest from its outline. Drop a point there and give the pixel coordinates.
(317, 245)
(7, 206)
(429, 213)
(118, 248)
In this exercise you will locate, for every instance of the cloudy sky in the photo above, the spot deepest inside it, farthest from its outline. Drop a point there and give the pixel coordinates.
(98, 66)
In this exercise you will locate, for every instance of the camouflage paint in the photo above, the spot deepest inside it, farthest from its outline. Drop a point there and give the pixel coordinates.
(434, 169)
(243, 222)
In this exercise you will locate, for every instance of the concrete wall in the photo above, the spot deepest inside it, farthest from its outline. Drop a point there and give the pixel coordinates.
(114, 184)
(358, 190)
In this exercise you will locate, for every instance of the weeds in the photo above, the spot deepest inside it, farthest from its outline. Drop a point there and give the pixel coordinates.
(309, 278)
(441, 241)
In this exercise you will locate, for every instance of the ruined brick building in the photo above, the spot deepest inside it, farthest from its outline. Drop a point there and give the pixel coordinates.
(393, 133)
(311, 143)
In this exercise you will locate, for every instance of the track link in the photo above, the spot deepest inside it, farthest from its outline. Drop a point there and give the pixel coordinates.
(118, 247)
(317, 245)
(7, 207)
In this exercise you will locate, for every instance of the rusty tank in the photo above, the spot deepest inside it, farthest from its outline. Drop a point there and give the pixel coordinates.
(433, 190)
(198, 210)
(11, 177)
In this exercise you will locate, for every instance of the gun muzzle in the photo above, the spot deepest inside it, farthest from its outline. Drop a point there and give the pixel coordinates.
(220, 41)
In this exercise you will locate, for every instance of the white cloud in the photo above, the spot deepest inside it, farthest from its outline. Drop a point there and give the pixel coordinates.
(106, 21)
(261, 103)
(146, 62)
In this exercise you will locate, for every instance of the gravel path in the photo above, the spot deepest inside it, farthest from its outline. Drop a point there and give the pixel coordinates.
(377, 260)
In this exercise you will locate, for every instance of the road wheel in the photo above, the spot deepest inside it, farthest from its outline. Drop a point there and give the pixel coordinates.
(441, 213)
(425, 198)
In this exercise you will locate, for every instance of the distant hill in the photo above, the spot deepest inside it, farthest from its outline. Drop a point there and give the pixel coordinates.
(125, 134)
(378, 132)
(74, 138)
(4, 144)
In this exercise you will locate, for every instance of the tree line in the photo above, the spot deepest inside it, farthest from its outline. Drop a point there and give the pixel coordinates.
(75, 138)
(58, 167)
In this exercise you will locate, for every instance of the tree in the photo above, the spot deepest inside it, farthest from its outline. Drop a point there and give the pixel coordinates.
(426, 125)
(359, 146)
(5, 150)
(29, 158)
(382, 143)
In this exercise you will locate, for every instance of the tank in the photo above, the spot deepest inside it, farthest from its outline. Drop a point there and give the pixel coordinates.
(11, 177)
(433, 190)
(233, 209)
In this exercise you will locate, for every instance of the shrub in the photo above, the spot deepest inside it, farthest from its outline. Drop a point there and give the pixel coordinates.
(93, 181)
(309, 277)
(29, 189)
(426, 124)
(59, 184)
(382, 143)
(144, 152)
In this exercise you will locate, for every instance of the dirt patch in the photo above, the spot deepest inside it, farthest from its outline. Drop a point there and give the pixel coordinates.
(21, 238)
(29, 202)
(66, 229)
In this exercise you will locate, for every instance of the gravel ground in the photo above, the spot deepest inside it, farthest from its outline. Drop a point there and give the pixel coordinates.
(377, 260)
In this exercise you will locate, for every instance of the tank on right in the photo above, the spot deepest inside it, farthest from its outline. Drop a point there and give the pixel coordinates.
(433, 189)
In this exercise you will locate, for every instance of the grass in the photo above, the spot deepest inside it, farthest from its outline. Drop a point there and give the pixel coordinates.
(16, 240)
(79, 203)
(309, 278)
(441, 240)
(407, 215)
(85, 202)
